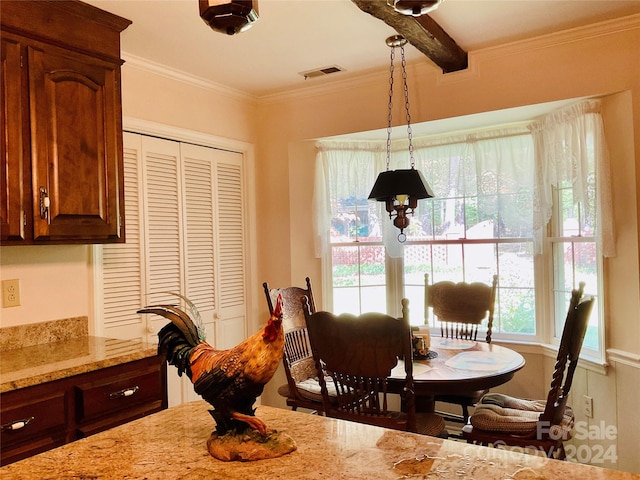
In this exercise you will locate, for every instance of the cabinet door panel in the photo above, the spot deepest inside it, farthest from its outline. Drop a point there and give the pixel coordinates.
(74, 119)
(12, 152)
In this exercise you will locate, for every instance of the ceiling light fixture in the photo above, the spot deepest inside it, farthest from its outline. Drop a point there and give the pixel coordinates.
(229, 16)
(414, 7)
(400, 189)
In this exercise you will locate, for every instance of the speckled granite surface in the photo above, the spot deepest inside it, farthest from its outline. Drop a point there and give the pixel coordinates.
(172, 445)
(35, 364)
(44, 332)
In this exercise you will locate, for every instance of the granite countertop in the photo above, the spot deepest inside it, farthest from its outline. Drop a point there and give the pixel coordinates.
(36, 364)
(172, 444)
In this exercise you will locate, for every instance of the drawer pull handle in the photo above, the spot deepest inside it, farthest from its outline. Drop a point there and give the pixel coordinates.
(18, 424)
(126, 392)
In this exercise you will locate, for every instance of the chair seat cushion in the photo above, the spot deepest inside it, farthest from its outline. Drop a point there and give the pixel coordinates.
(501, 413)
(310, 388)
(430, 424)
(283, 390)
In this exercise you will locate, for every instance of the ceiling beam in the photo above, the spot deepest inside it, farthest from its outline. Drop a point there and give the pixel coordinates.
(422, 32)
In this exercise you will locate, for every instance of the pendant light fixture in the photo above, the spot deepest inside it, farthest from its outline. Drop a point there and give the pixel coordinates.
(229, 16)
(400, 189)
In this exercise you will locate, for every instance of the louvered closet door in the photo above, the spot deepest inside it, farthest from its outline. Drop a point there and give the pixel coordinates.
(198, 164)
(123, 273)
(163, 262)
(185, 234)
(231, 226)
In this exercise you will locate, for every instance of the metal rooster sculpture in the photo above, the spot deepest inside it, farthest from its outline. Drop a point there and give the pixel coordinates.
(230, 380)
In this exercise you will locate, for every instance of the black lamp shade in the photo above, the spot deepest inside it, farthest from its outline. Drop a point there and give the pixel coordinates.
(229, 16)
(400, 182)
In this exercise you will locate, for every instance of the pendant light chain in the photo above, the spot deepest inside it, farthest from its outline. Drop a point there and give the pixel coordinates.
(393, 55)
(406, 104)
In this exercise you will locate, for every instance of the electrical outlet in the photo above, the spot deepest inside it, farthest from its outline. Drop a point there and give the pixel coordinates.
(10, 293)
(587, 406)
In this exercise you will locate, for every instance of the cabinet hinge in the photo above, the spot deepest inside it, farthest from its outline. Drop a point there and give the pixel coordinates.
(21, 64)
(45, 202)
(24, 218)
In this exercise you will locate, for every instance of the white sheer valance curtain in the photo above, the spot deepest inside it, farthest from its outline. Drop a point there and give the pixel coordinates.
(570, 147)
(528, 159)
(491, 162)
(343, 170)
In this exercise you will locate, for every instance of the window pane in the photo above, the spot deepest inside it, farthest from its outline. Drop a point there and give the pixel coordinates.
(354, 219)
(516, 311)
(374, 299)
(479, 262)
(359, 282)
(575, 262)
(447, 263)
(417, 262)
(346, 300)
(345, 267)
(516, 265)
(415, 294)
(515, 215)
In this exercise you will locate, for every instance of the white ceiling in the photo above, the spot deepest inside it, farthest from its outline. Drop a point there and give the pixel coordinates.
(293, 36)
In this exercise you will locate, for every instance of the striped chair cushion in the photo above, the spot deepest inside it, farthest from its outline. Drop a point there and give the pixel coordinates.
(501, 413)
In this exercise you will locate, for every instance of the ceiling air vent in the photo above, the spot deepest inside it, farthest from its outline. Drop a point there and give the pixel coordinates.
(319, 72)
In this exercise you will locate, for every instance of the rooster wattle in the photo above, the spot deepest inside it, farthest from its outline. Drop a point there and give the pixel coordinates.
(230, 380)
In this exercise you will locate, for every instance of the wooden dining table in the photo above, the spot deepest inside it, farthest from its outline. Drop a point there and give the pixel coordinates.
(457, 367)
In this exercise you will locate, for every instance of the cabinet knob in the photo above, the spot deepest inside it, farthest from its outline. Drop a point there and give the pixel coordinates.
(125, 392)
(18, 424)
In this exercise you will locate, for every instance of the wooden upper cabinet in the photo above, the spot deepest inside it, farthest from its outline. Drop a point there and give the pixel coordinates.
(63, 121)
(12, 185)
(75, 155)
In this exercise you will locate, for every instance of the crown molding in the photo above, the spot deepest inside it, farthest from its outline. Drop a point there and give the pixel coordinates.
(183, 77)
(577, 34)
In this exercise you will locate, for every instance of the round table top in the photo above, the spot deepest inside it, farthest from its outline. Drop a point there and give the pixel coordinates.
(461, 366)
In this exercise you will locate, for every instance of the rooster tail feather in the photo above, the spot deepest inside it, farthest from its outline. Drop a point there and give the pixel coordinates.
(194, 314)
(173, 345)
(177, 317)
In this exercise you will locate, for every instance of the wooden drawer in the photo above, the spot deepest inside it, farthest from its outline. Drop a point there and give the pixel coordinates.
(118, 392)
(32, 421)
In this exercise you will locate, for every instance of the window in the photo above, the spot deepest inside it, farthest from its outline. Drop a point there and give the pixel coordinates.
(486, 218)
(478, 224)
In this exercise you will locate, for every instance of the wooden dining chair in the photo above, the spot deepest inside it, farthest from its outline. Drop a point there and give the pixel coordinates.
(460, 309)
(543, 425)
(356, 355)
(302, 389)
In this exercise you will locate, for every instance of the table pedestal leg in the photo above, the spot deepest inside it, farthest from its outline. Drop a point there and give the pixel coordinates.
(425, 404)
